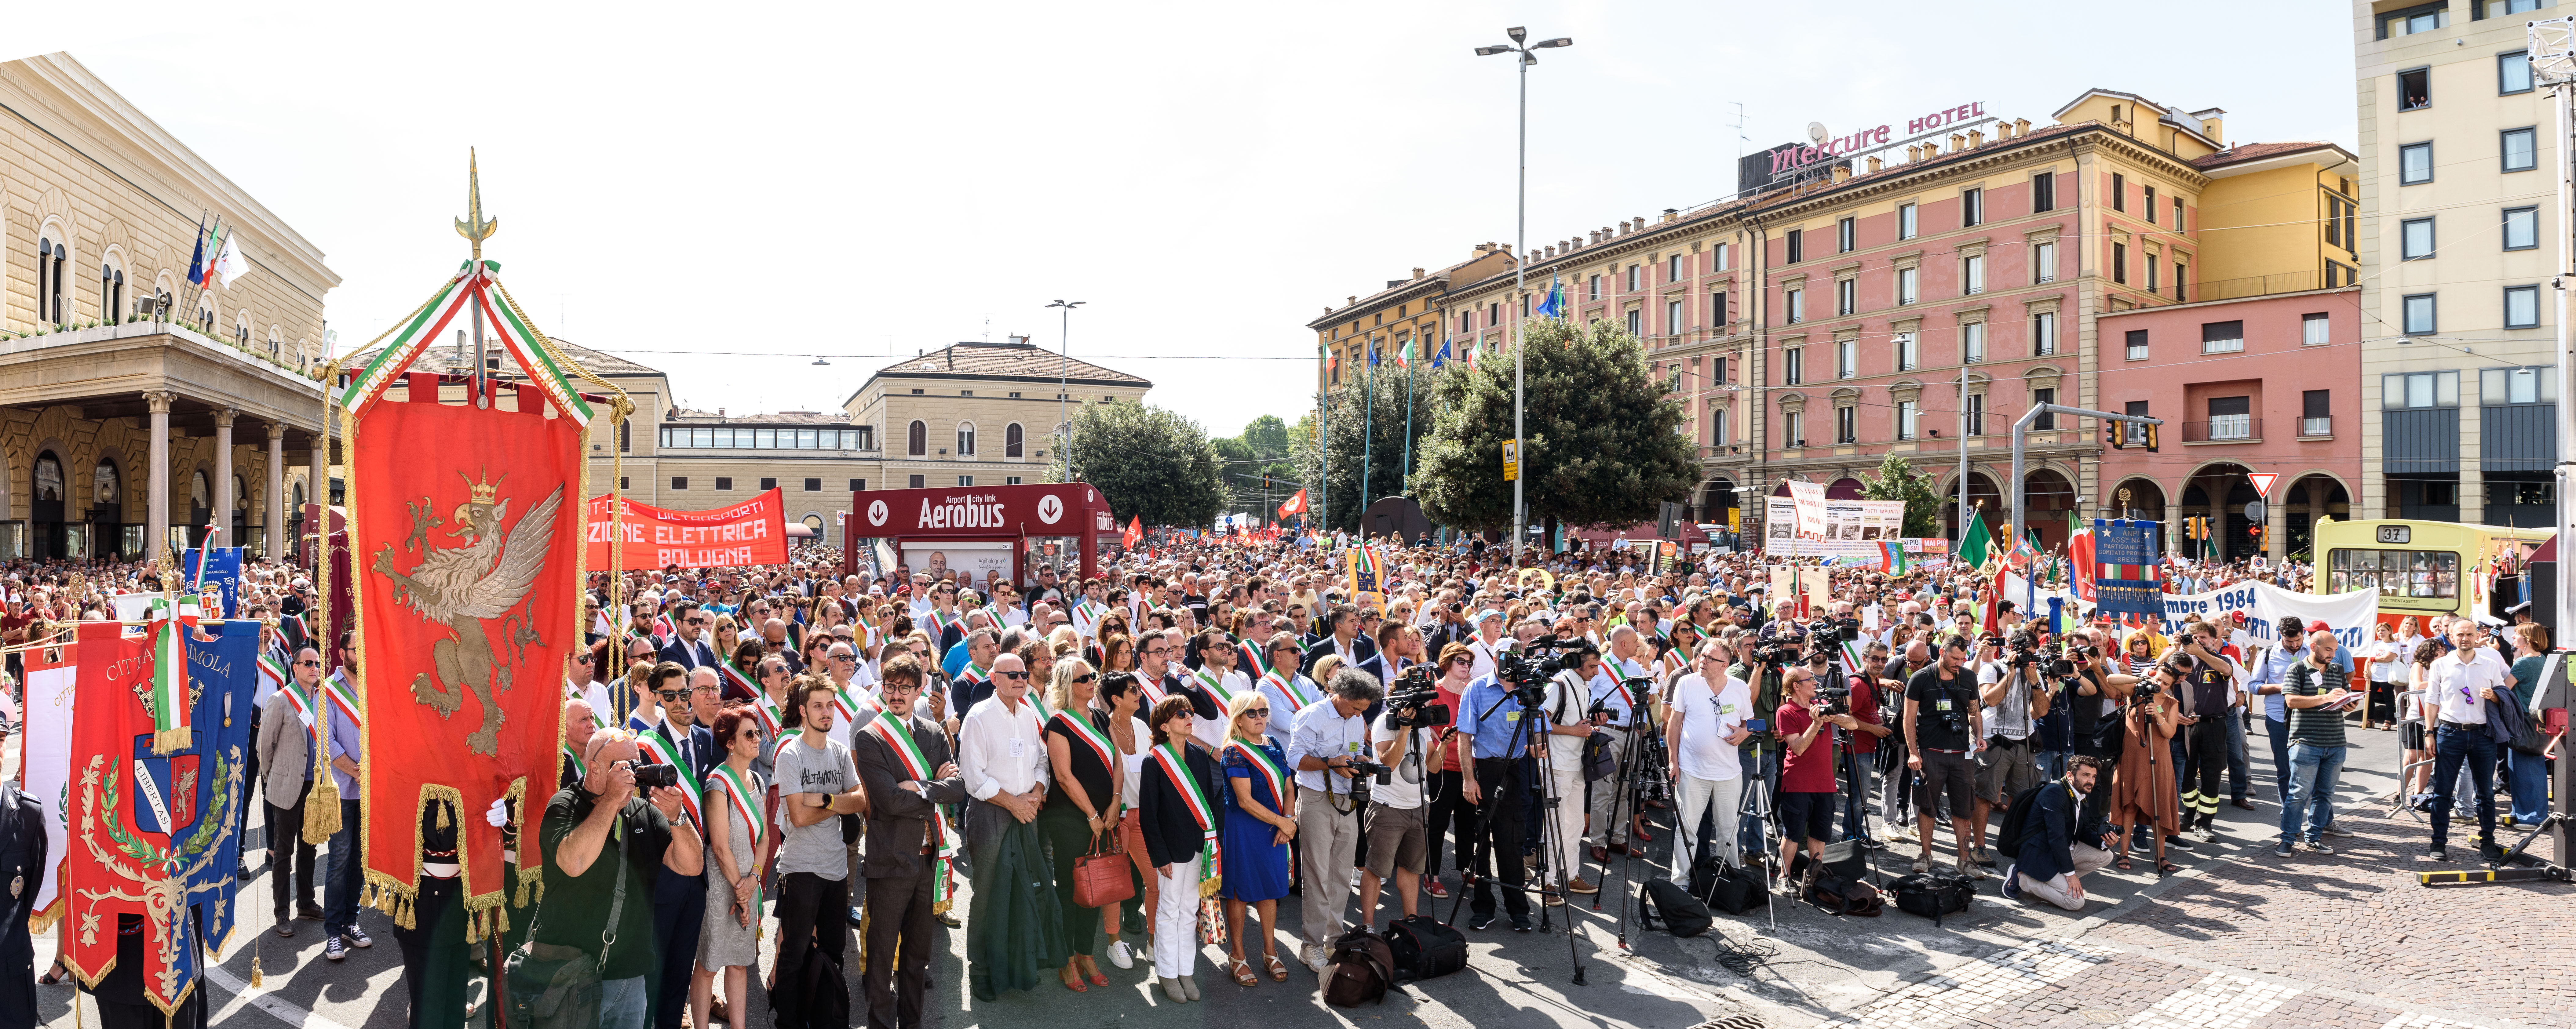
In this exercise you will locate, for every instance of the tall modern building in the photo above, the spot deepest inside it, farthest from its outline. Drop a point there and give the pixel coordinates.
(2458, 398)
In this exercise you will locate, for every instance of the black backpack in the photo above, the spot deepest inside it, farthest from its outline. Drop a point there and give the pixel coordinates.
(1841, 895)
(1933, 894)
(1727, 888)
(823, 995)
(1682, 913)
(1363, 969)
(2017, 824)
(1424, 949)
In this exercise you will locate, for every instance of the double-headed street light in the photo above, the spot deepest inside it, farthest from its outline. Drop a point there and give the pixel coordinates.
(1520, 248)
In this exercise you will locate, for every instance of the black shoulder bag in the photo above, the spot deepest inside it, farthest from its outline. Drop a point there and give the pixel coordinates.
(553, 986)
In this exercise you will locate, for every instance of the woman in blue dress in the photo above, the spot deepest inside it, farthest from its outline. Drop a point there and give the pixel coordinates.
(1260, 819)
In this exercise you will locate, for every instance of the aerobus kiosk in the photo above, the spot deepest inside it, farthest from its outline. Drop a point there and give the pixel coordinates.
(2420, 569)
(975, 530)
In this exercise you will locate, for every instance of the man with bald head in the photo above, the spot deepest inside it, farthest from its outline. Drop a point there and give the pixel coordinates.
(594, 832)
(1896, 794)
(579, 722)
(1002, 759)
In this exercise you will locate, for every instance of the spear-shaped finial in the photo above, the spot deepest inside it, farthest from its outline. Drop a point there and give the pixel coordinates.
(474, 227)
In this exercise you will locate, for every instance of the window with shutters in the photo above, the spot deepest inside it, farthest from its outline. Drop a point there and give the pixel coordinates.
(1972, 207)
(2046, 419)
(858, 485)
(1797, 246)
(1905, 221)
(1846, 424)
(2043, 334)
(768, 483)
(679, 482)
(2119, 192)
(2225, 337)
(917, 439)
(2043, 262)
(724, 482)
(1846, 237)
(914, 482)
(813, 485)
(1846, 296)
(2043, 192)
(2136, 341)
(2316, 412)
(1012, 440)
(1793, 364)
(1717, 309)
(2120, 263)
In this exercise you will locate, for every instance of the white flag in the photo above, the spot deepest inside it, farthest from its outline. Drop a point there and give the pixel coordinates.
(229, 265)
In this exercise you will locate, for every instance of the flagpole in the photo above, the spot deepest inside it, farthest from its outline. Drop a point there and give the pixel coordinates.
(1408, 422)
(1368, 419)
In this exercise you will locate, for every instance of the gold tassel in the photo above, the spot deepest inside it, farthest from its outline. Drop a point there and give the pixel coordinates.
(168, 741)
(501, 915)
(520, 900)
(473, 928)
(442, 816)
(322, 810)
(256, 979)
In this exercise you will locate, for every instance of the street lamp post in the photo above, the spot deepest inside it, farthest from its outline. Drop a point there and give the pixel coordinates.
(1520, 264)
(1063, 377)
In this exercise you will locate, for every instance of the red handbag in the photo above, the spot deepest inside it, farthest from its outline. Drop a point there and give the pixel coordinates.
(1102, 876)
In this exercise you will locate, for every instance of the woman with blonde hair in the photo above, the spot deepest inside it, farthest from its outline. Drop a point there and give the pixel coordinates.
(1260, 819)
(728, 635)
(1081, 807)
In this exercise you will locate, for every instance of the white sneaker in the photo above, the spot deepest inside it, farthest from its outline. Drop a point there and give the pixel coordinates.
(1317, 958)
(1121, 956)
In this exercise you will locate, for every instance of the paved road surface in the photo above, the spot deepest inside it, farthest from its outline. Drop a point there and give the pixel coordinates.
(2239, 939)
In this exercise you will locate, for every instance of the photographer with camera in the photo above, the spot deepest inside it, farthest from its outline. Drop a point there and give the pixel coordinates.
(1577, 703)
(2208, 684)
(2013, 697)
(605, 848)
(2142, 790)
(1327, 750)
(1495, 781)
(1807, 772)
(1862, 756)
(1612, 696)
(1400, 841)
(1941, 724)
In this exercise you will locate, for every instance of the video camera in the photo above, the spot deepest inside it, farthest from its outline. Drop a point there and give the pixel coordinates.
(1835, 696)
(1415, 701)
(1527, 668)
(1827, 632)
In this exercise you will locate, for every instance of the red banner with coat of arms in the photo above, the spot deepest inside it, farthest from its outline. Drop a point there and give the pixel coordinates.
(466, 539)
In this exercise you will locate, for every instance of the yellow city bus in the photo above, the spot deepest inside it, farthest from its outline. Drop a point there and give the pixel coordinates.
(2419, 568)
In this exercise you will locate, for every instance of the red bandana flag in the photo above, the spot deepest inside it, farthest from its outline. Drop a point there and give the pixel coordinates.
(467, 540)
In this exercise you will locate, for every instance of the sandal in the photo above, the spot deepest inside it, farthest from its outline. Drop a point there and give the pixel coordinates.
(1072, 981)
(1278, 969)
(1242, 972)
(2165, 868)
(2120, 863)
(53, 976)
(1084, 967)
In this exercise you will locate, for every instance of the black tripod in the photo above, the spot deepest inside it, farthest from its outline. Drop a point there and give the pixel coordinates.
(1521, 737)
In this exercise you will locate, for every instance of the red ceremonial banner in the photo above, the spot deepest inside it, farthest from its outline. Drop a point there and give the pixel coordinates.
(753, 532)
(467, 564)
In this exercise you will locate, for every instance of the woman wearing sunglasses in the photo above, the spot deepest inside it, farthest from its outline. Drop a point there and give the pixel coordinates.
(1116, 699)
(1260, 819)
(1081, 810)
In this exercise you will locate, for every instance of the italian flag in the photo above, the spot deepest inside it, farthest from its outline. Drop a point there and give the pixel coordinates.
(170, 624)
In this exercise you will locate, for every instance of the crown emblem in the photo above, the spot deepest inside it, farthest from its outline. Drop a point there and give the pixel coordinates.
(487, 491)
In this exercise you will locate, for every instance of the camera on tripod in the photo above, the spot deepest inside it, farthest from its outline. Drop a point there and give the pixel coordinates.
(1828, 632)
(1526, 669)
(1835, 697)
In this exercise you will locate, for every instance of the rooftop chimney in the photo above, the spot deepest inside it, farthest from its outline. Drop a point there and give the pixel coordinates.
(1913, 152)
(1672, 214)
(1417, 273)
(2021, 126)
(1958, 142)
(1623, 228)
(1977, 137)
(1875, 164)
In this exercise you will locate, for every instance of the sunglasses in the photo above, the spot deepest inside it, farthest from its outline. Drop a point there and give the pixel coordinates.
(1256, 712)
(1011, 675)
(308, 664)
(670, 694)
(1087, 677)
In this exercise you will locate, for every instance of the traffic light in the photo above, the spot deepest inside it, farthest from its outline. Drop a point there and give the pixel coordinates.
(2151, 437)
(2116, 434)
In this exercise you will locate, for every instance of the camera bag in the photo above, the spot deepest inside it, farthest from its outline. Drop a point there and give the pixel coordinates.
(1840, 895)
(1728, 888)
(1934, 894)
(1363, 969)
(1682, 914)
(1424, 949)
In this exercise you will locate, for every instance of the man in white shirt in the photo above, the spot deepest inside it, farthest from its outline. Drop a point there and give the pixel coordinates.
(1609, 689)
(1399, 835)
(2463, 683)
(1703, 728)
(1569, 697)
(1487, 644)
(1002, 757)
(1328, 738)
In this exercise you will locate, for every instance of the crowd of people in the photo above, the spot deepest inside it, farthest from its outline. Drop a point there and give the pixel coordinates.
(1145, 766)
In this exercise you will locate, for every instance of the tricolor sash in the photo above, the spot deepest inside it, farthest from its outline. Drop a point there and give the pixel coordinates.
(848, 704)
(726, 669)
(1168, 757)
(169, 625)
(295, 695)
(344, 697)
(578, 771)
(738, 793)
(1215, 685)
(1154, 692)
(1253, 657)
(1269, 770)
(941, 623)
(772, 720)
(1082, 730)
(898, 738)
(668, 753)
(1287, 685)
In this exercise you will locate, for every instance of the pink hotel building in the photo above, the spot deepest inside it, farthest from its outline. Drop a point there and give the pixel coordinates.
(1919, 306)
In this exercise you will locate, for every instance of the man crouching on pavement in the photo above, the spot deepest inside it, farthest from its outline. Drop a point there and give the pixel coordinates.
(2056, 848)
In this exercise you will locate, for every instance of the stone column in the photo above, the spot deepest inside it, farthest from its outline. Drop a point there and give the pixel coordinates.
(317, 492)
(156, 517)
(276, 489)
(220, 520)
(2175, 515)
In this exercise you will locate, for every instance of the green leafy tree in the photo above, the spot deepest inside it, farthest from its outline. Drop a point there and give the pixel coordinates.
(1349, 435)
(1149, 463)
(1260, 465)
(1897, 480)
(1603, 442)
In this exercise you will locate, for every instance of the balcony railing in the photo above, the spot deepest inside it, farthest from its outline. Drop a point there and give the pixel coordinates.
(2321, 425)
(2226, 428)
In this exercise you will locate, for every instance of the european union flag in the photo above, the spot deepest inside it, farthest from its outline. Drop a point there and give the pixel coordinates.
(1442, 357)
(1372, 356)
(1554, 305)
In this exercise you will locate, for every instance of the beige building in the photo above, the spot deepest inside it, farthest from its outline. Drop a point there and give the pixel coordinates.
(969, 414)
(2458, 398)
(134, 406)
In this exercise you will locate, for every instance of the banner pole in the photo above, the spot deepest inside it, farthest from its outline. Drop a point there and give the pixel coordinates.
(322, 806)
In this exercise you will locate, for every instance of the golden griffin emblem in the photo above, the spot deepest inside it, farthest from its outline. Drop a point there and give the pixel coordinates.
(462, 586)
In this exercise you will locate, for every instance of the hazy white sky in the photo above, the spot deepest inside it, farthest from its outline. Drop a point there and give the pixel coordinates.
(700, 191)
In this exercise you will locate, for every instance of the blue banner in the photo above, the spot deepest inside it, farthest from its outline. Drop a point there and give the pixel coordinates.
(222, 569)
(224, 675)
(2126, 577)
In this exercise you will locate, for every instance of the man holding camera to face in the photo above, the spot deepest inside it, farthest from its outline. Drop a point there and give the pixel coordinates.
(2013, 697)
(1327, 750)
(606, 848)
(1573, 714)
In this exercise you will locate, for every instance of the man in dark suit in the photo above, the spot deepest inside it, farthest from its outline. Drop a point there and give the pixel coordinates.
(679, 901)
(2061, 841)
(690, 647)
(22, 867)
(1345, 640)
(903, 842)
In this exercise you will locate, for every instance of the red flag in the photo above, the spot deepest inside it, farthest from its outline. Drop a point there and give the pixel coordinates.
(1135, 532)
(1295, 505)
